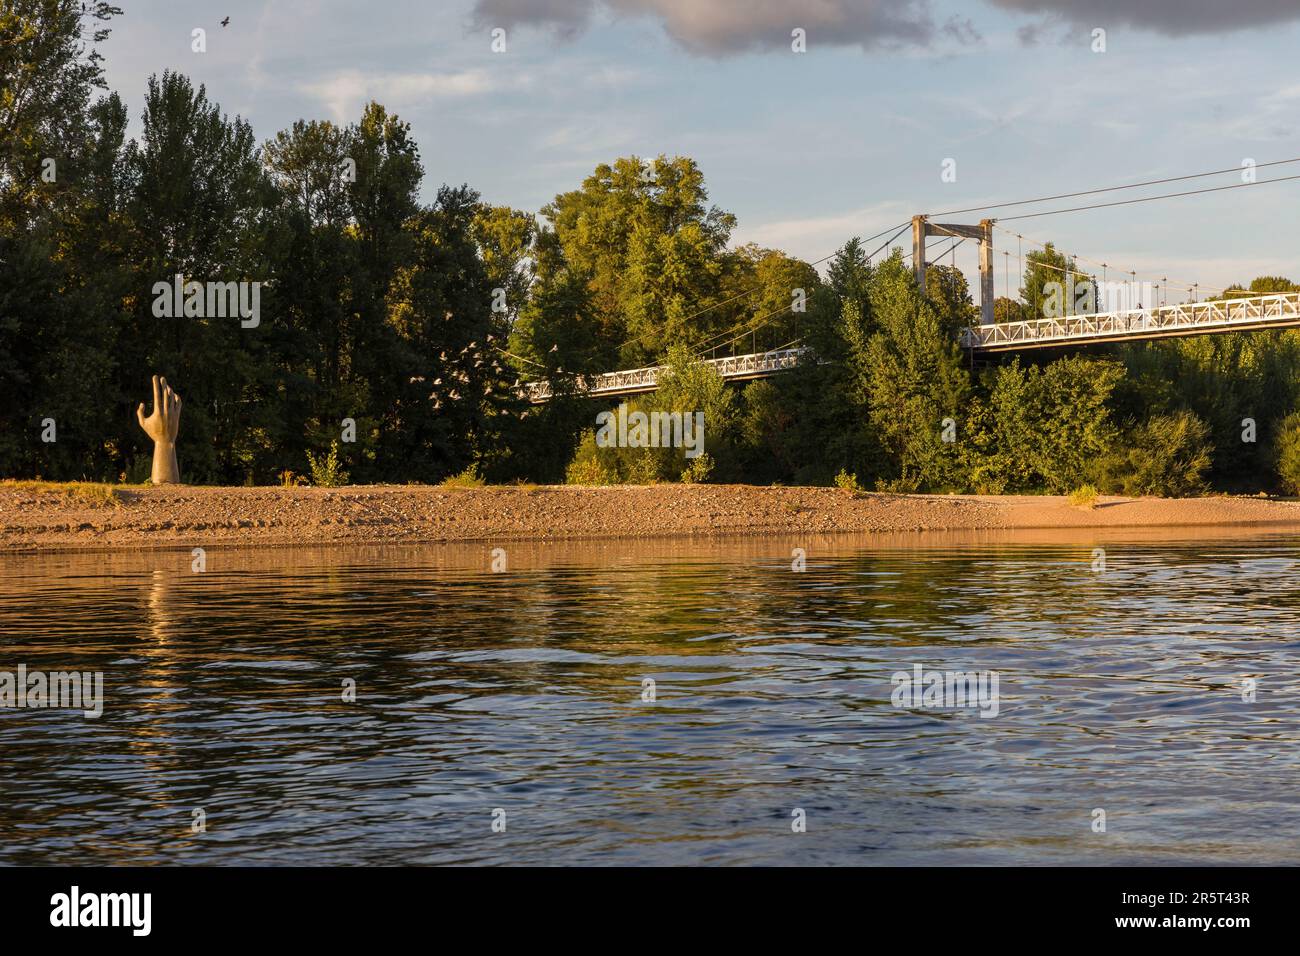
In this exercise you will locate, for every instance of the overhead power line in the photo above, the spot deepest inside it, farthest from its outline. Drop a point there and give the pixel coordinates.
(1108, 189)
(1130, 202)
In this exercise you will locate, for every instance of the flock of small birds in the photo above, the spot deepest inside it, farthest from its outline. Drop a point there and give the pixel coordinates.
(461, 375)
(454, 394)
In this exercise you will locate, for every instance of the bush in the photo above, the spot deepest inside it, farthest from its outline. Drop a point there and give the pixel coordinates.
(1167, 456)
(469, 478)
(588, 471)
(1085, 496)
(686, 388)
(326, 472)
(1287, 451)
(139, 470)
(848, 482)
(698, 470)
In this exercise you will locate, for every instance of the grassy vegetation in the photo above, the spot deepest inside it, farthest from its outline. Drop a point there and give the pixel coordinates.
(469, 478)
(91, 494)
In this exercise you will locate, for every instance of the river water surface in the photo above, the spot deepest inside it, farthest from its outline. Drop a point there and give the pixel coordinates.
(517, 697)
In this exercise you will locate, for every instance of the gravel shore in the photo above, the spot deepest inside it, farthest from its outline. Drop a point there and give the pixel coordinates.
(44, 519)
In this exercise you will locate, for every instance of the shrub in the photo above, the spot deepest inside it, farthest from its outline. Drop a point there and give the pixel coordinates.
(139, 470)
(848, 482)
(591, 465)
(588, 471)
(1167, 456)
(326, 472)
(469, 478)
(1085, 496)
(1287, 451)
(686, 388)
(698, 469)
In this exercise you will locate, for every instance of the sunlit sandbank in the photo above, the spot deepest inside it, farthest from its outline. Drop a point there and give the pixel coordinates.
(41, 518)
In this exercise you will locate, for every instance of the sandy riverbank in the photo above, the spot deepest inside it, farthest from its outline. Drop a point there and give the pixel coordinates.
(44, 519)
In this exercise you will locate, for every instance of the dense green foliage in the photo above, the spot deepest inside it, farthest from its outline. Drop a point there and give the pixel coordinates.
(393, 332)
(1288, 453)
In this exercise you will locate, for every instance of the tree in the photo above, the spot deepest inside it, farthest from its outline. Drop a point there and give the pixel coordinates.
(1046, 427)
(505, 240)
(452, 391)
(49, 68)
(59, 263)
(198, 198)
(648, 249)
(911, 373)
(1053, 285)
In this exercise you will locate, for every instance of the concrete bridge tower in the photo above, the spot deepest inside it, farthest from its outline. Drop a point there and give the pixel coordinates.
(983, 234)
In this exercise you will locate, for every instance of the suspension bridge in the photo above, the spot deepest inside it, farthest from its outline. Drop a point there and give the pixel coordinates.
(633, 381)
(1132, 325)
(1240, 313)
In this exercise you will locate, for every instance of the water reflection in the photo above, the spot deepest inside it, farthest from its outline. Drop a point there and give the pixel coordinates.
(522, 691)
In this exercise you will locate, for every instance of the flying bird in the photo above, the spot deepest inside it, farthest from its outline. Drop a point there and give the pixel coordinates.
(226, 22)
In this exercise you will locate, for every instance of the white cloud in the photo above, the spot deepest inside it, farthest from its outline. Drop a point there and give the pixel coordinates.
(813, 237)
(345, 93)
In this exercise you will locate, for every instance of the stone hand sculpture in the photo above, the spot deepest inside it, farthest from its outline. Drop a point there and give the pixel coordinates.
(162, 426)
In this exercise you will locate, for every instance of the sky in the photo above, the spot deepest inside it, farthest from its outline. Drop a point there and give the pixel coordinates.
(848, 138)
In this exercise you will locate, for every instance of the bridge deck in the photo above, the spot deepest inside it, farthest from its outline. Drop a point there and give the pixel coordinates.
(733, 368)
(1135, 325)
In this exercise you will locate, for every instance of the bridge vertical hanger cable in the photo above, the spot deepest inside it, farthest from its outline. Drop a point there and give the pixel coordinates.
(1074, 256)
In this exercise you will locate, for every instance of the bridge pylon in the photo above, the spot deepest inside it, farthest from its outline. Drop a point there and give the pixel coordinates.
(983, 234)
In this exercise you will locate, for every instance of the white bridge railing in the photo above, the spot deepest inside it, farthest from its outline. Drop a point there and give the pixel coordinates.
(1190, 318)
(633, 380)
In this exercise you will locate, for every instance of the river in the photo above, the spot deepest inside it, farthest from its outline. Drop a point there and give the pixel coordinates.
(661, 702)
